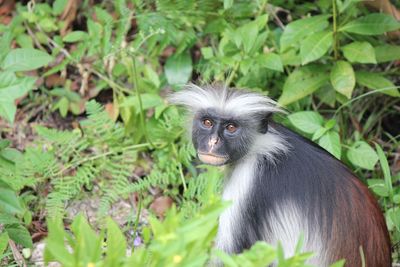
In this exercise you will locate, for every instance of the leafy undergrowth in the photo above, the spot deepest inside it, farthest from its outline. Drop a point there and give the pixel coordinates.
(85, 127)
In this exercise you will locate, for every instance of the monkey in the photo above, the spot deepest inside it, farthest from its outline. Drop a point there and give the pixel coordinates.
(280, 184)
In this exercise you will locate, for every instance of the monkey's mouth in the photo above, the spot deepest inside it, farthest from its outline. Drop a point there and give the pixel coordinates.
(212, 159)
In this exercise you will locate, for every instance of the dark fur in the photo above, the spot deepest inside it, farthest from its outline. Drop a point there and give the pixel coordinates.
(334, 200)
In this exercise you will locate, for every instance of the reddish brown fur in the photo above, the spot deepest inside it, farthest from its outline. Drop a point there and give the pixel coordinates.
(369, 232)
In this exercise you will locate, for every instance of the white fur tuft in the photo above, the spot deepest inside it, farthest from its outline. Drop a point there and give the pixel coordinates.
(236, 188)
(286, 226)
(226, 100)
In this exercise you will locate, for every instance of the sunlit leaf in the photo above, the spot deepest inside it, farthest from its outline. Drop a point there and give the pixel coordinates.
(376, 81)
(24, 59)
(307, 121)
(359, 52)
(361, 154)
(331, 142)
(178, 69)
(315, 46)
(298, 29)
(386, 52)
(271, 61)
(372, 24)
(303, 82)
(343, 78)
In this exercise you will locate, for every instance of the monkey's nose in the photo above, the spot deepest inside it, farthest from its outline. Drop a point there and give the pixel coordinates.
(213, 141)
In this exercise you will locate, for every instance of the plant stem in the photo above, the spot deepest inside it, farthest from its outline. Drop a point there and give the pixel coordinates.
(232, 74)
(135, 226)
(335, 36)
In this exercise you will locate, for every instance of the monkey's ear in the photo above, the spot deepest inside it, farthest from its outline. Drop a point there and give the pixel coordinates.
(264, 120)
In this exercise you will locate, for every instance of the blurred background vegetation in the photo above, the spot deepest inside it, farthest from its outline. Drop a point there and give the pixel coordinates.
(85, 127)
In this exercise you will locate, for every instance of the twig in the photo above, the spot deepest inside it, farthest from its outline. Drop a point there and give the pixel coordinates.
(19, 259)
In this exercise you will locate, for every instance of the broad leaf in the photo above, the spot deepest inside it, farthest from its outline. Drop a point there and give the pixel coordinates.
(297, 30)
(343, 78)
(378, 187)
(372, 24)
(376, 81)
(361, 154)
(9, 201)
(20, 235)
(315, 46)
(303, 82)
(116, 244)
(248, 34)
(75, 36)
(207, 52)
(24, 59)
(331, 142)
(12, 88)
(385, 53)
(271, 61)
(360, 52)
(3, 242)
(307, 121)
(148, 101)
(178, 69)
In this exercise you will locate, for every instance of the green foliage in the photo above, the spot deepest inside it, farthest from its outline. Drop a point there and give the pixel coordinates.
(177, 241)
(327, 62)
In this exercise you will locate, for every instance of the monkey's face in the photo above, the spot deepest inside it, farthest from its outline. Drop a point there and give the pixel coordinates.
(220, 139)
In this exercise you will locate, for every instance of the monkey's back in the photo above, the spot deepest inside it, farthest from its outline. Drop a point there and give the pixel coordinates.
(307, 191)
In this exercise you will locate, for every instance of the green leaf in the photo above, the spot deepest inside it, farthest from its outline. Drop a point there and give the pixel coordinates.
(207, 52)
(270, 61)
(376, 81)
(178, 69)
(360, 52)
(55, 244)
(4, 144)
(302, 82)
(116, 244)
(228, 4)
(20, 235)
(320, 132)
(386, 169)
(372, 24)
(331, 142)
(24, 59)
(12, 88)
(315, 46)
(62, 105)
(306, 121)
(338, 263)
(386, 52)
(299, 29)
(343, 78)
(9, 202)
(59, 6)
(248, 34)
(6, 219)
(378, 187)
(3, 242)
(361, 154)
(148, 101)
(75, 36)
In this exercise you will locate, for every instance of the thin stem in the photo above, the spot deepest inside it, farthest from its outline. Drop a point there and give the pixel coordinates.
(362, 96)
(180, 168)
(135, 226)
(335, 36)
(232, 74)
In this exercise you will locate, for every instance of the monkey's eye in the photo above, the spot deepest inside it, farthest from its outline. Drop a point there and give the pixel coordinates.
(207, 123)
(231, 128)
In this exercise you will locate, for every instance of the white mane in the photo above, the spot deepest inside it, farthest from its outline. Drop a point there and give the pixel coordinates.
(231, 101)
